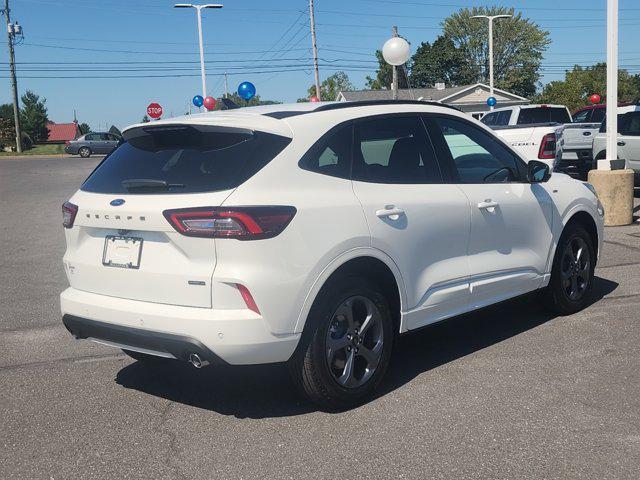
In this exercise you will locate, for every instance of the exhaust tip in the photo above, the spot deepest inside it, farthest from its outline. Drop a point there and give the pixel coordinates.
(196, 361)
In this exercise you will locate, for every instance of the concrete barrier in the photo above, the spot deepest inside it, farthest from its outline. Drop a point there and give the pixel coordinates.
(615, 191)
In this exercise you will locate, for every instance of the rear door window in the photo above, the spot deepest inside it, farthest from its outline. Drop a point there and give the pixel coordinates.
(581, 116)
(184, 159)
(331, 155)
(598, 115)
(394, 150)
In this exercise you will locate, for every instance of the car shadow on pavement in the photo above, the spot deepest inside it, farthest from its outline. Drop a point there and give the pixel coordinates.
(264, 391)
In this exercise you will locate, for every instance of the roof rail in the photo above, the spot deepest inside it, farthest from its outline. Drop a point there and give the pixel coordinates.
(366, 103)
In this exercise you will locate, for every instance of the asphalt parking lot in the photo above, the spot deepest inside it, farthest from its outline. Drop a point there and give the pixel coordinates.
(509, 392)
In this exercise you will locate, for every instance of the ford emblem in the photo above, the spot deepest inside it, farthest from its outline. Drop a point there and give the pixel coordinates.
(117, 202)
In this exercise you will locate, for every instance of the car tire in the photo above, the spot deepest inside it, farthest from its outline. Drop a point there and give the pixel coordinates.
(572, 273)
(338, 364)
(145, 358)
(84, 152)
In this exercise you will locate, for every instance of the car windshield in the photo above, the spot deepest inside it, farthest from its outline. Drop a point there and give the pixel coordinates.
(184, 159)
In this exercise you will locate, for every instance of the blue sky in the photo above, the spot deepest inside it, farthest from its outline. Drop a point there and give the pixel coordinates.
(266, 43)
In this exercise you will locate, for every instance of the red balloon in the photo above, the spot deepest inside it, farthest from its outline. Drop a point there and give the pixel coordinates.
(314, 99)
(595, 98)
(209, 103)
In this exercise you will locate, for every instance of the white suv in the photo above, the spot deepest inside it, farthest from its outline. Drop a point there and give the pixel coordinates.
(314, 234)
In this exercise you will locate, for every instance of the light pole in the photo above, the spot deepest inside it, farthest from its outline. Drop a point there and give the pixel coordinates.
(612, 86)
(199, 15)
(491, 18)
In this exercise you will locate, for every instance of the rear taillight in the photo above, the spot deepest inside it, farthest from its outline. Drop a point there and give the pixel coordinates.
(242, 223)
(548, 146)
(69, 211)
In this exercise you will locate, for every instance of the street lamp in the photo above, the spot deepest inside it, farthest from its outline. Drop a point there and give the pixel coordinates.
(199, 15)
(491, 18)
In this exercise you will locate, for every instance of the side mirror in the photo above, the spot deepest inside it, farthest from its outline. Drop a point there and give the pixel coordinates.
(538, 172)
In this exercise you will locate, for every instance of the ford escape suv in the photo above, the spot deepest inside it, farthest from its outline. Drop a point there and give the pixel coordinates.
(314, 234)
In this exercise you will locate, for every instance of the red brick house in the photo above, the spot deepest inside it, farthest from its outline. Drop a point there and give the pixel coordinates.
(62, 132)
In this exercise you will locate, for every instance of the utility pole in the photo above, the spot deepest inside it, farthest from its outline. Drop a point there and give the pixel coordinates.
(394, 82)
(314, 46)
(226, 86)
(11, 32)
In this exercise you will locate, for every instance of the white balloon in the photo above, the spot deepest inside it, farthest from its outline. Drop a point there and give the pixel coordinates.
(396, 51)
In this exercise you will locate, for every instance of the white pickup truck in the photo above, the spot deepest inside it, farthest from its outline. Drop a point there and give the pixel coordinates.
(533, 130)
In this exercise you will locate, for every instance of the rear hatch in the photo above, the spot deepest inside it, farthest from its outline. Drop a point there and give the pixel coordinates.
(122, 245)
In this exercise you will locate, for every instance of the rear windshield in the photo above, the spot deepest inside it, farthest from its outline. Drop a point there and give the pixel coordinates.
(543, 115)
(184, 159)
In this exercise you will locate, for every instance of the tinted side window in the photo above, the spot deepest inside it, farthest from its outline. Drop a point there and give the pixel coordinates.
(331, 155)
(633, 127)
(490, 119)
(394, 150)
(622, 123)
(92, 136)
(581, 117)
(504, 117)
(477, 156)
(598, 114)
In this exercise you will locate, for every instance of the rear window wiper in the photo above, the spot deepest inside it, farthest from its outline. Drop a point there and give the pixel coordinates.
(134, 183)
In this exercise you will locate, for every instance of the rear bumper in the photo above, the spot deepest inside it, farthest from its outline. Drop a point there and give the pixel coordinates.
(164, 344)
(237, 337)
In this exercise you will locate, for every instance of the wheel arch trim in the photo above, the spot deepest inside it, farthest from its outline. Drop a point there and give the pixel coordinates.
(335, 264)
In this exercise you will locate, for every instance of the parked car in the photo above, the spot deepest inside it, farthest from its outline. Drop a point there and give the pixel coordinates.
(533, 130)
(90, 143)
(315, 234)
(628, 139)
(577, 140)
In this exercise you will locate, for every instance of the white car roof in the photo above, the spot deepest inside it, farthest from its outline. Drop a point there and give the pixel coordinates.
(268, 118)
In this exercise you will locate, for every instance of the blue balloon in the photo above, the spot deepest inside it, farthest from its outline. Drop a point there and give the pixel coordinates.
(198, 100)
(491, 101)
(247, 90)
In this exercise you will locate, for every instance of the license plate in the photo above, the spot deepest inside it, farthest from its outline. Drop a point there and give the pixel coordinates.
(122, 252)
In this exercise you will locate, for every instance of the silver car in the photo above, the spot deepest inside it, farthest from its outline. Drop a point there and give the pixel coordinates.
(628, 139)
(95, 142)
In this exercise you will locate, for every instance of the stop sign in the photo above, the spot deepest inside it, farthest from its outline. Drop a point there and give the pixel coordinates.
(154, 110)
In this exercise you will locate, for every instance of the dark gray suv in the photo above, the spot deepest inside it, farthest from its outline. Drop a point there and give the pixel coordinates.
(94, 142)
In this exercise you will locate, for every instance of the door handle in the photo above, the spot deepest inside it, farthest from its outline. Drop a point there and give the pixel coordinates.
(390, 211)
(488, 205)
(621, 143)
(586, 134)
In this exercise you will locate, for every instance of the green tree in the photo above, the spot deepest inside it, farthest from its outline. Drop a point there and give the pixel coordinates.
(581, 82)
(241, 102)
(115, 130)
(84, 128)
(519, 45)
(33, 116)
(330, 87)
(145, 119)
(384, 75)
(440, 61)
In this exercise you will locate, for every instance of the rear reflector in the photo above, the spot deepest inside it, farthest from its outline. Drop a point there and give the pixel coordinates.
(69, 211)
(248, 299)
(242, 223)
(548, 147)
